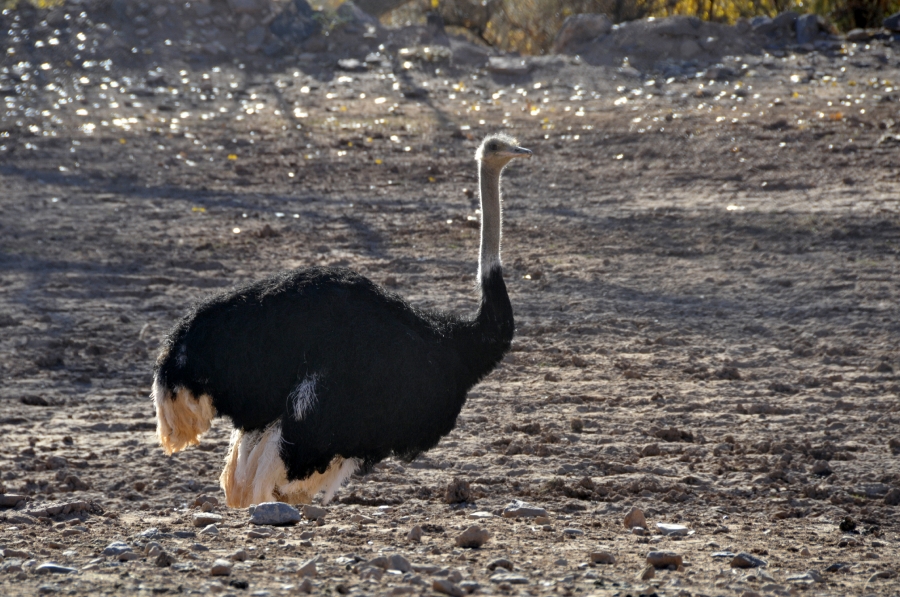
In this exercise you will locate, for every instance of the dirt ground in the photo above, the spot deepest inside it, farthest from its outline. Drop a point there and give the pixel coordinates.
(704, 276)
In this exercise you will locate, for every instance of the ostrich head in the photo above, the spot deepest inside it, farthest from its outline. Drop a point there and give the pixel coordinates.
(497, 150)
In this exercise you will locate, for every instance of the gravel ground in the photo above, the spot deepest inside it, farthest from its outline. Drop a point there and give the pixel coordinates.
(703, 274)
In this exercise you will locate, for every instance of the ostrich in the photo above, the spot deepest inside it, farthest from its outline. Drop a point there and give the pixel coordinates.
(320, 370)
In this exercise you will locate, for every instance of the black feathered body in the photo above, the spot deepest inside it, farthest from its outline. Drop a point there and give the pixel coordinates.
(389, 379)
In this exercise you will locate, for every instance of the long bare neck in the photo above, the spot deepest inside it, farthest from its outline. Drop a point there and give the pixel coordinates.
(489, 183)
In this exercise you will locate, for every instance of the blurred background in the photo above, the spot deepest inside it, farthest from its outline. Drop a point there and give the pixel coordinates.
(529, 26)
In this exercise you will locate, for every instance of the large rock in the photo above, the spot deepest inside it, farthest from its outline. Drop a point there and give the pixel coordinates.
(580, 29)
(807, 29)
(295, 24)
(892, 22)
(274, 513)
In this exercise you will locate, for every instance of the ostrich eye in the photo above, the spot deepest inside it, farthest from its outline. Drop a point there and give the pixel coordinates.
(492, 147)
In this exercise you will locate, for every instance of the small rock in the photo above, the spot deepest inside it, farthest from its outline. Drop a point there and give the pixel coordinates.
(673, 529)
(238, 556)
(542, 520)
(722, 554)
(746, 560)
(398, 562)
(892, 498)
(848, 525)
(9, 500)
(414, 534)
(639, 531)
(821, 468)
(500, 563)
(205, 519)
(53, 568)
(206, 499)
(446, 587)
(306, 586)
(473, 537)
(314, 512)
(127, 556)
(662, 559)
(573, 532)
(647, 573)
(635, 518)
(577, 423)
(810, 576)
(561, 562)
(513, 579)
(458, 491)
(469, 586)
(519, 509)
(221, 568)
(805, 552)
(116, 548)
(838, 567)
(210, 530)
(164, 560)
(602, 557)
(650, 450)
(274, 513)
(361, 519)
(309, 568)
(15, 553)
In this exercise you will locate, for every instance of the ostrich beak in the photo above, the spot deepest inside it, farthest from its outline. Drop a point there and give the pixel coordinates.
(521, 152)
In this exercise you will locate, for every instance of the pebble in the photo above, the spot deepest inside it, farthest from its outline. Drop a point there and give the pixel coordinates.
(500, 563)
(647, 573)
(414, 534)
(314, 512)
(274, 513)
(116, 548)
(309, 568)
(362, 519)
(221, 568)
(519, 509)
(673, 529)
(639, 531)
(542, 520)
(446, 587)
(635, 518)
(805, 552)
(164, 560)
(238, 556)
(723, 554)
(206, 499)
(573, 532)
(661, 559)
(602, 557)
(480, 515)
(210, 530)
(745, 560)
(204, 519)
(513, 579)
(473, 537)
(53, 568)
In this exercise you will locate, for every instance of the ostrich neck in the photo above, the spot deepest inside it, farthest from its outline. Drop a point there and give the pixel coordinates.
(489, 257)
